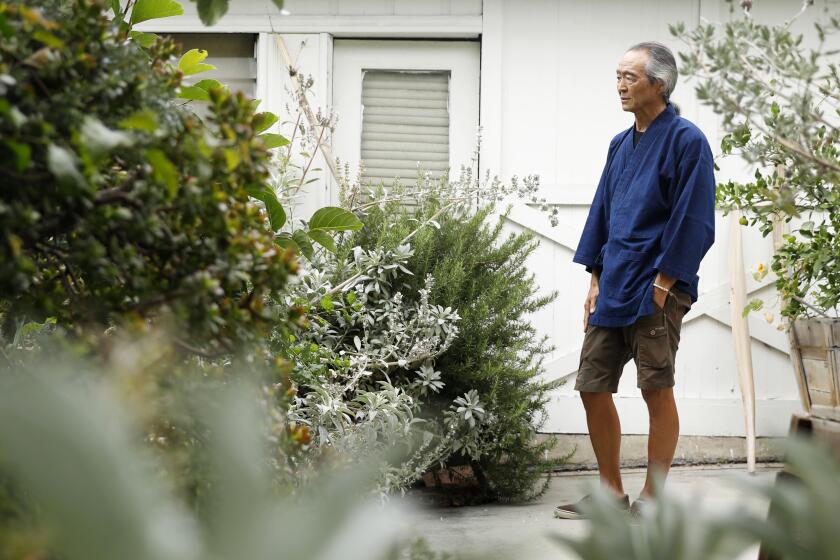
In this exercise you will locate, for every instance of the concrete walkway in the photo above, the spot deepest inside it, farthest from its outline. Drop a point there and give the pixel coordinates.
(518, 531)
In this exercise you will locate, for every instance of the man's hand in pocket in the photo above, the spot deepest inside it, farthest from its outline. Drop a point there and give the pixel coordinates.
(591, 297)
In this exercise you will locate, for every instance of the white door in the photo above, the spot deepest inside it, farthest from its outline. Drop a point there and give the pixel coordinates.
(405, 103)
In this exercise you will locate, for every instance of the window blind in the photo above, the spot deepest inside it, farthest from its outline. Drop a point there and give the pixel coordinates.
(405, 120)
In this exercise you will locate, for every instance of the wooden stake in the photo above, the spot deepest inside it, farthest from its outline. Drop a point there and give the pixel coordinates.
(305, 108)
(741, 332)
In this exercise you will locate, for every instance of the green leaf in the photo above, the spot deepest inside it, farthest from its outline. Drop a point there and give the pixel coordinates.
(232, 158)
(262, 121)
(22, 153)
(163, 170)
(48, 39)
(152, 9)
(327, 303)
(304, 244)
(5, 28)
(276, 214)
(741, 135)
(332, 218)
(141, 120)
(115, 7)
(285, 240)
(62, 164)
(191, 62)
(145, 40)
(278, 3)
(210, 11)
(323, 238)
(754, 305)
(273, 140)
(206, 84)
(193, 93)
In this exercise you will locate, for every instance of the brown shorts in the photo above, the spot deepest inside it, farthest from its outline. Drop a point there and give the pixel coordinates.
(651, 341)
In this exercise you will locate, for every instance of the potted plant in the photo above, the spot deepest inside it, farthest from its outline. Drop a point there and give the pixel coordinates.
(780, 108)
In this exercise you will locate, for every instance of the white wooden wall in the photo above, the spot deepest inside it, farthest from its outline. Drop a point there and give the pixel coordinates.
(548, 105)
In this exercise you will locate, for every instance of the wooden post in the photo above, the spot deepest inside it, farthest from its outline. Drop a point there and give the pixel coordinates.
(741, 332)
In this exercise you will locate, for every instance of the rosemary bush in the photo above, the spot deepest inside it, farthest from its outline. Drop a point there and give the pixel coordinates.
(497, 355)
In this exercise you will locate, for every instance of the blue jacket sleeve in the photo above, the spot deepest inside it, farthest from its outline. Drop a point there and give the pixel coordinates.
(690, 229)
(590, 249)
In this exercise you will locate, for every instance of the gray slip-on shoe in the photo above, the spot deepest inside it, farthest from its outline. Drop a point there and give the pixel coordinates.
(639, 505)
(573, 511)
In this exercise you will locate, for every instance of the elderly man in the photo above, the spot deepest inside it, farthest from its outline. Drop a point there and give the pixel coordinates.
(649, 226)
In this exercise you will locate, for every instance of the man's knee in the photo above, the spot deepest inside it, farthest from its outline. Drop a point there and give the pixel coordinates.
(592, 399)
(656, 398)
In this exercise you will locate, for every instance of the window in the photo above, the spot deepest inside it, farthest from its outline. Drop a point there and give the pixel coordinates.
(401, 102)
(405, 124)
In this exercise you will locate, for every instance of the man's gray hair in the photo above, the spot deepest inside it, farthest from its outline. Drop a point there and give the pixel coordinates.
(661, 65)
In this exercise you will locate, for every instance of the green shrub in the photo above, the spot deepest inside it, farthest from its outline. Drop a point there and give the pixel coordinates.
(118, 206)
(778, 102)
(484, 278)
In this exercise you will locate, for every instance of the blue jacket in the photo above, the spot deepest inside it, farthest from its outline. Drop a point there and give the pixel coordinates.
(654, 210)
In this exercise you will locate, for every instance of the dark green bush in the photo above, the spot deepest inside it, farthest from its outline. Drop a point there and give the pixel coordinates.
(482, 275)
(116, 205)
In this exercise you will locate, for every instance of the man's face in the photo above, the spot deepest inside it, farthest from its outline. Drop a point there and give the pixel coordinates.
(634, 87)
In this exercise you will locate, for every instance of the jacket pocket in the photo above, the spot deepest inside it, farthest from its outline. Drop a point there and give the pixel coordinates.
(628, 255)
(627, 272)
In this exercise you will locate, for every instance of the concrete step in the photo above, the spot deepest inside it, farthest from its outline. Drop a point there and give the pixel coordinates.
(691, 450)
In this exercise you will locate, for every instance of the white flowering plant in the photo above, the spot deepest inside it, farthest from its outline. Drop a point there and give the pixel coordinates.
(363, 365)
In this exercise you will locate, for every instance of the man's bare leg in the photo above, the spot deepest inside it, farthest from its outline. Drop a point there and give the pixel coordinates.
(605, 435)
(663, 435)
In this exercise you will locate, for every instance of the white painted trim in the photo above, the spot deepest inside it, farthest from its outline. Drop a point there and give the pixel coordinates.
(325, 57)
(537, 222)
(427, 27)
(271, 76)
(699, 416)
(490, 118)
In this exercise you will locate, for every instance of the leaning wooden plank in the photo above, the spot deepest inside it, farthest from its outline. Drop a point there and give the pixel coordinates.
(741, 333)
